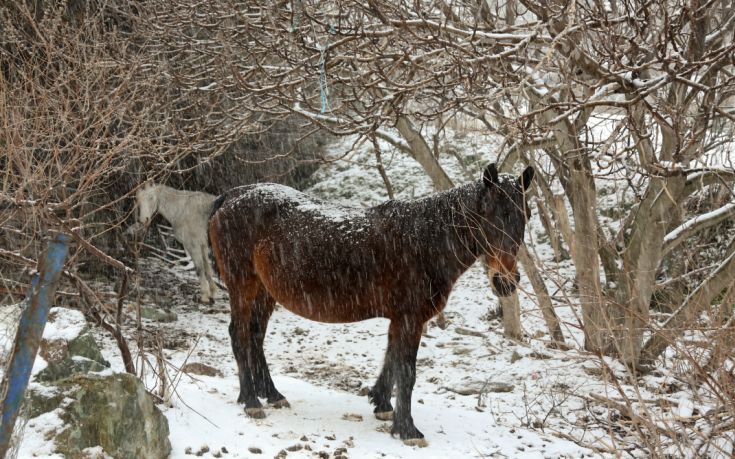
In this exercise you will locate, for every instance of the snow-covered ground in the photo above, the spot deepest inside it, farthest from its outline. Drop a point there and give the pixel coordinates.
(321, 369)
(520, 400)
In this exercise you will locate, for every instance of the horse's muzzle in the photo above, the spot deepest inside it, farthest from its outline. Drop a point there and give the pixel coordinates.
(505, 285)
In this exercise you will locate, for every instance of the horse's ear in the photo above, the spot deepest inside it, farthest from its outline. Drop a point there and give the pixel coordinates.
(490, 176)
(526, 178)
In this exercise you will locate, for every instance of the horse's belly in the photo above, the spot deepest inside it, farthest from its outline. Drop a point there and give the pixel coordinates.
(311, 308)
(329, 302)
(334, 292)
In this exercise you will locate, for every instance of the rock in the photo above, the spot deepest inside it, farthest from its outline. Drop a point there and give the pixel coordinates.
(114, 412)
(468, 332)
(53, 351)
(300, 331)
(539, 355)
(68, 367)
(85, 346)
(481, 387)
(461, 351)
(157, 315)
(67, 334)
(81, 355)
(515, 357)
(64, 324)
(255, 450)
(197, 368)
(68, 347)
(594, 371)
(41, 399)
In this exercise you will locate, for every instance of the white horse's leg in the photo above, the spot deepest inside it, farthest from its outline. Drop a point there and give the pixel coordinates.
(209, 272)
(196, 257)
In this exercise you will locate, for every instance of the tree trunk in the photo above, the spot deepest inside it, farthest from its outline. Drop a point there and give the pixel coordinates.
(511, 307)
(557, 236)
(563, 219)
(693, 306)
(724, 336)
(554, 235)
(542, 295)
(422, 154)
(597, 323)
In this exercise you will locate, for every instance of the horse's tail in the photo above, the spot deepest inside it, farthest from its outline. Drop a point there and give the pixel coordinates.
(215, 207)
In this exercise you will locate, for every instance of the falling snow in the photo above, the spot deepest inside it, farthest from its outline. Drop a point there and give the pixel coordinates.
(321, 368)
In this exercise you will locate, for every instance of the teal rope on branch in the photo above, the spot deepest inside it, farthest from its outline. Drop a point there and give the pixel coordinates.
(296, 15)
(323, 90)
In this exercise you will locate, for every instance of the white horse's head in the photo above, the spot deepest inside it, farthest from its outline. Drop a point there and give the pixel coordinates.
(147, 198)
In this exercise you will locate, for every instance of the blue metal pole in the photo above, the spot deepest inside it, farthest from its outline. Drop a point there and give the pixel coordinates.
(28, 337)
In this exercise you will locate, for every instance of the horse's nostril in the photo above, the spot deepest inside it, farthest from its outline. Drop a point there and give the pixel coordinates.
(503, 285)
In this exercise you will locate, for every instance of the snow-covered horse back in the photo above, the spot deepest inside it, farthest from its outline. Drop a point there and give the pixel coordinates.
(188, 213)
(329, 263)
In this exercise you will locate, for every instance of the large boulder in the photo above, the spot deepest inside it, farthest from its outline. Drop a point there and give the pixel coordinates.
(113, 412)
(108, 412)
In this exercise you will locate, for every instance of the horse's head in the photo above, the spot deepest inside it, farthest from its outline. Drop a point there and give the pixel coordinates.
(504, 215)
(147, 199)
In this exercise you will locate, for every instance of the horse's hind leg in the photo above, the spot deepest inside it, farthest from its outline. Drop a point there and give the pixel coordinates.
(242, 296)
(200, 263)
(208, 272)
(382, 390)
(264, 387)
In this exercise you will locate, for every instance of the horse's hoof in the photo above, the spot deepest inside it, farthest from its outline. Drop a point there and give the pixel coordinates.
(409, 434)
(255, 413)
(282, 403)
(420, 442)
(384, 415)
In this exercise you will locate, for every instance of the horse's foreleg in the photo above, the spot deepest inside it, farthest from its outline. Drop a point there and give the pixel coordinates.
(264, 387)
(407, 335)
(241, 302)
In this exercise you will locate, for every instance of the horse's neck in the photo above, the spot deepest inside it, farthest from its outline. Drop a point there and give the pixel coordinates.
(457, 212)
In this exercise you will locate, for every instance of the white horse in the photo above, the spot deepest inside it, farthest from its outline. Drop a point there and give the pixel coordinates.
(188, 213)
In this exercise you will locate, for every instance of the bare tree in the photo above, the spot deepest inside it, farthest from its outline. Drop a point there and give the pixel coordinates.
(590, 92)
(88, 112)
(616, 91)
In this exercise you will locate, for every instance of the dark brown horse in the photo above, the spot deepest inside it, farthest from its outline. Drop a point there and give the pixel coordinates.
(398, 260)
